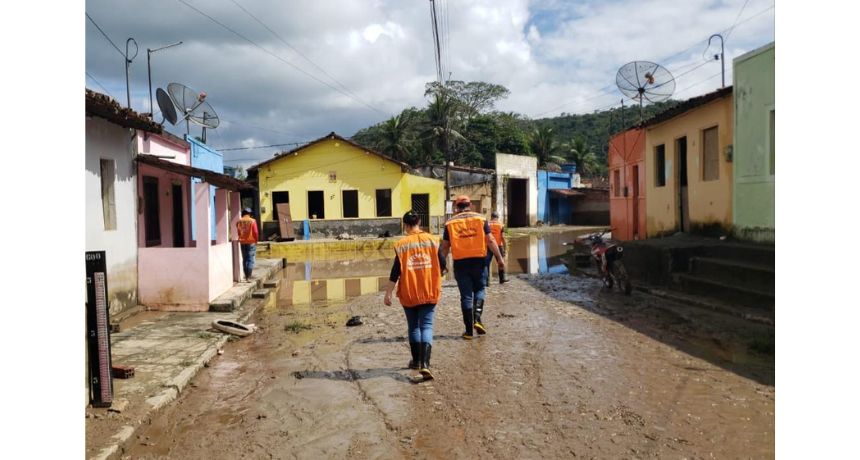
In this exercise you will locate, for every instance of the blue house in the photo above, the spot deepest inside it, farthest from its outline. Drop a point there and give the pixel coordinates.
(554, 189)
(205, 157)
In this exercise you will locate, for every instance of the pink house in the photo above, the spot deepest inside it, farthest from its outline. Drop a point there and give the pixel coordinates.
(183, 267)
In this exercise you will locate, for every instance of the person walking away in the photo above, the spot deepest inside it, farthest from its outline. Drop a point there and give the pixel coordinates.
(417, 272)
(497, 229)
(467, 236)
(246, 227)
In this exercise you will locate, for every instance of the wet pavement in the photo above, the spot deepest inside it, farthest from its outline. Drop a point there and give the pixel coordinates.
(566, 369)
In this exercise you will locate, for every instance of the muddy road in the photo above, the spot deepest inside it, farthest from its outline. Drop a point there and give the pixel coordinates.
(566, 370)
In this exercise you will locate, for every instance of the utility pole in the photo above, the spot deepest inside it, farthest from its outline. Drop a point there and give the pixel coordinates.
(127, 63)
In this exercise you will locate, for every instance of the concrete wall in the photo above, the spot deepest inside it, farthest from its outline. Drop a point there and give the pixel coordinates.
(166, 180)
(755, 178)
(627, 212)
(591, 209)
(105, 140)
(160, 146)
(520, 167)
(310, 169)
(205, 157)
(710, 202)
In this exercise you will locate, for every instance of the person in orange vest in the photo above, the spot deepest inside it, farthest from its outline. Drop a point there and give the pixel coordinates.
(417, 272)
(497, 229)
(246, 228)
(467, 236)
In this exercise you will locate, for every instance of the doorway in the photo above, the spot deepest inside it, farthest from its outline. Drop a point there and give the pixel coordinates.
(635, 199)
(518, 203)
(421, 207)
(178, 216)
(316, 205)
(683, 216)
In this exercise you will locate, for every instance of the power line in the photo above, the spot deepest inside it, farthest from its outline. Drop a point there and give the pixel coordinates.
(255, 44)
(279, 37)
(607, 88)
(100, 85)
(732, 29)
(262, 146)
(105, 36)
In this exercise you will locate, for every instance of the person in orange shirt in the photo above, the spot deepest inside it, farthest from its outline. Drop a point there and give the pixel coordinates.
(498, 231)
(417, 272)
(246, 228)
(467, 236)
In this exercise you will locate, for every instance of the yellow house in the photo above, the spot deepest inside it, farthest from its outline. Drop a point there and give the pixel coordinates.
(338, 187)
(688, 166)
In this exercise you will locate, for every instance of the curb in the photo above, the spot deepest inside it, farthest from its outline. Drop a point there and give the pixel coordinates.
(173, 389)
(704, 304)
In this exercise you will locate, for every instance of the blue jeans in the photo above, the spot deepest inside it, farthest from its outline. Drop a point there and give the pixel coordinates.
(419, 320)
(249, 256)
(471, 284)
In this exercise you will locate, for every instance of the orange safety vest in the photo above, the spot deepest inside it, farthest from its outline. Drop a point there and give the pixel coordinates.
(496, 229)
(246, 227)
(420, 273)
(466, 235)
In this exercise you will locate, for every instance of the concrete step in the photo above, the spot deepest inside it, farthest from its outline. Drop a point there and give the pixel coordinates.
(740, 252)
(743, 274)
(728, 292)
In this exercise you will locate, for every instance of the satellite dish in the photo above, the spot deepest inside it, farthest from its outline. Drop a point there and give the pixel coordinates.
(193, 107)
(166, 106)
(643, 80)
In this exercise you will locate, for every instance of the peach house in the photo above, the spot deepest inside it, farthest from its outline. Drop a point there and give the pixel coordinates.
(627, 184)
(182, 266)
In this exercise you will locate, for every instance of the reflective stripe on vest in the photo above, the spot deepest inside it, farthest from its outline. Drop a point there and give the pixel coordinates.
(496, 230)
(466, 235)
(420, 274)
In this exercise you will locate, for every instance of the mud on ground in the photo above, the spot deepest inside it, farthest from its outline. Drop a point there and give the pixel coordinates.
(566, 370)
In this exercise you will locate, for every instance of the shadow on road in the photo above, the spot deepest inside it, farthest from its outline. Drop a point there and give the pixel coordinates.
(743, 347)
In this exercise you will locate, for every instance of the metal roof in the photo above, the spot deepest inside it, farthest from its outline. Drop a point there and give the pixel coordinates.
(211, 177)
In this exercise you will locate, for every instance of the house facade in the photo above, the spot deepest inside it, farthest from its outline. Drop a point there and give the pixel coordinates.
(476, 183)
(338, 187)
(627, 185)
(555, 205)
(754, 145)
(111, 194)
(516, 190)
(688, 160)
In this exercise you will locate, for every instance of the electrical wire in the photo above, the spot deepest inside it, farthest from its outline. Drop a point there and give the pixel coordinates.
(279, 37)
(100, 85)
(106, 36)
(732, 29)
(255, 44)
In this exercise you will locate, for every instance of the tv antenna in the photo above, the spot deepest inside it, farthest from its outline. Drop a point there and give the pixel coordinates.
(643, 80)
(193, 107)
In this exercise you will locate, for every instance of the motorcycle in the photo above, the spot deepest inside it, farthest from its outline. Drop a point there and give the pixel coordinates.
(606, 255)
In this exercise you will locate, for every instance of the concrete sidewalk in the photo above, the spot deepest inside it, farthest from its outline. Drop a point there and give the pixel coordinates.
(166, 349)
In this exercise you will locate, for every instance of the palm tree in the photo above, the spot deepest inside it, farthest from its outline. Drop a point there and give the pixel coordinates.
(582, 154)
(543, 145)
(394, 140)
(438, 134)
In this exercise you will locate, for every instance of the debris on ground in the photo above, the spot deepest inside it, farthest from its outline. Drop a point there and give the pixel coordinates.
(354, 321)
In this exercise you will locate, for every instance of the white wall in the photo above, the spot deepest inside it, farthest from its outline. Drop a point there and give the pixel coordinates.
(520, 167)
(105, 140)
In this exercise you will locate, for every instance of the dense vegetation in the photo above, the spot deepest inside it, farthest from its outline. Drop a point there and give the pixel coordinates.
(460, 119)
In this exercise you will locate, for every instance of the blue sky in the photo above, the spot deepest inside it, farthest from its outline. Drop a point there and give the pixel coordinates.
(341, 65)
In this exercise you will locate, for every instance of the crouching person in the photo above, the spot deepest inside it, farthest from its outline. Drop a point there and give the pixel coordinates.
(417, 273)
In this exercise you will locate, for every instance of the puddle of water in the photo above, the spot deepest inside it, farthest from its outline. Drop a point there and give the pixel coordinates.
(333, 279)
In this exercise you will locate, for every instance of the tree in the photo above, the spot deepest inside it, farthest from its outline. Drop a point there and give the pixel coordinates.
(438, 135)
(582, 154)
(543, 145)
(394, 138)
(473, 98)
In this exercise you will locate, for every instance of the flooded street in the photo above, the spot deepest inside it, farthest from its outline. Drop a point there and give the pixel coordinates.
(565, 370)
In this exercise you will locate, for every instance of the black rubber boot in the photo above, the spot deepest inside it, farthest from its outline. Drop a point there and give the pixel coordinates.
(502, 279)
(426, 348)
(415, 348)
(468, 321)
(479, 309)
